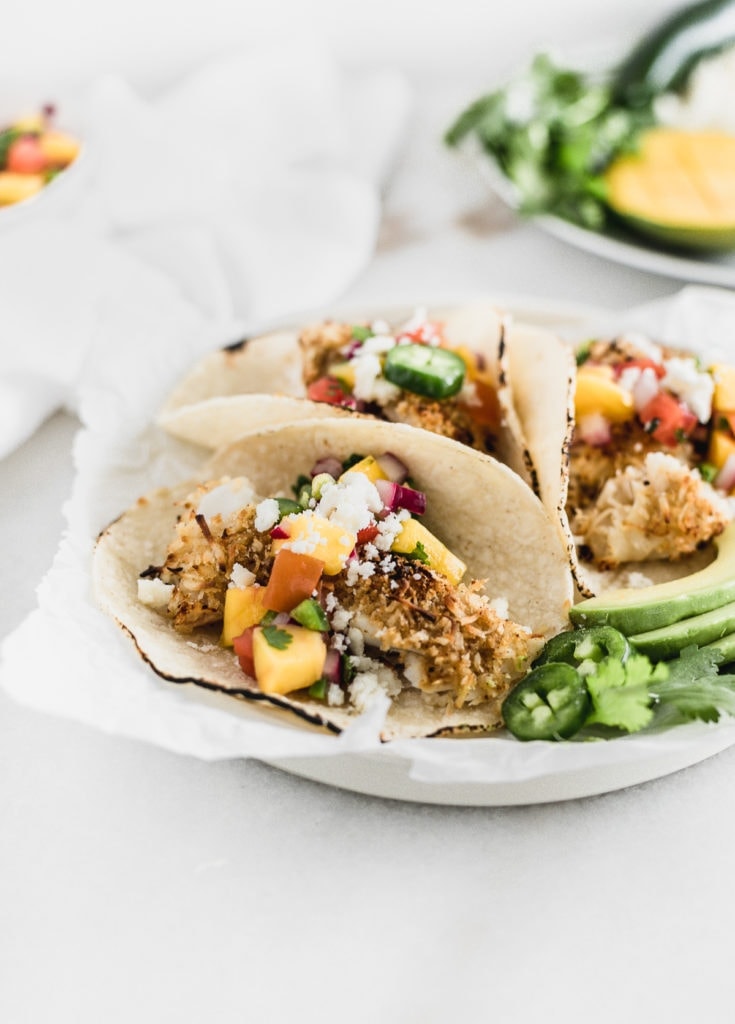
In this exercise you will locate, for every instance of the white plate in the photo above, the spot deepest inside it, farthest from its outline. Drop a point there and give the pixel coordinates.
(498, 770)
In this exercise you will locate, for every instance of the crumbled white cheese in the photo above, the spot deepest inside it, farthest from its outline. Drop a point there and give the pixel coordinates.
(373, 678)
(358, 570)
(240, 577)
(335, 695)
(350, 502)
(637, 579)
(330, 602)
(378, 344)
(389, 528)
(339, 643)
(154, 593)
(370, 385)
(341, 619)
(226, 499)
(266, 514)
(691, 385)
(356, 640)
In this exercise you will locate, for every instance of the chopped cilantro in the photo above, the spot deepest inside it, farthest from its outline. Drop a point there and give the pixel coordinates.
(361, 333)
(723, 423)
(268, 618)
(277, 638)
(693, 686)
(348, 669)
(419, 553)
(652, 425)
(7, 138)
(680, 434)
(708, 472)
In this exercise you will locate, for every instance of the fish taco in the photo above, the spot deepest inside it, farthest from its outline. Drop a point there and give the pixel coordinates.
(319, 566)
(649, 459)
(443, 371)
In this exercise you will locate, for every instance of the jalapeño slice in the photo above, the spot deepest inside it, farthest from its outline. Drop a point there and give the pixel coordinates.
(551, 703)
(578, 645)
(425, 370)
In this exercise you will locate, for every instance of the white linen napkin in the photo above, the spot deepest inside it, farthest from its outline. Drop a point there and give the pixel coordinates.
(247, 191)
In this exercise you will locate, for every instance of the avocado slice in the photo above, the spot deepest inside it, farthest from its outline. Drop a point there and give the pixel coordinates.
(726, 646)
(667, 641)
(635, 611)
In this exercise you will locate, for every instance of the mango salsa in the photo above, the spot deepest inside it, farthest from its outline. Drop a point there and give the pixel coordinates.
(597, 392)
(333, 544)
(724, 395)
(414, 539)
(721, 446)
(369, 467)
(243, 608)
(287, 658)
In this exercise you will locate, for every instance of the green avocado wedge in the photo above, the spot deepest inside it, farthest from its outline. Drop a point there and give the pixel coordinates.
(682, 236)
(635, 611)
(667, 641)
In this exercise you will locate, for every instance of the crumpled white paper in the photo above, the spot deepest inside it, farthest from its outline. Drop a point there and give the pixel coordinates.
(87, 670)
(247, 191)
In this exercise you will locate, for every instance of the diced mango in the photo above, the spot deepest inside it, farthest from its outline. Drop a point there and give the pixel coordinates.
(243, 608)
(14, 188)
(724, 395)
(369, 467)
(333, 544)
(721, 446)
(597, 392)
(58, 148)
(414, 539)
(287, 658)
(345, 374)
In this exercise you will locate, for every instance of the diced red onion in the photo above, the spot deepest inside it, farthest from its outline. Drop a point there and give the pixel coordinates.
(392, 466)
(594, 429)
(282, 619)
(278, 533)
(329, 464)
(332, 670)
(725, 479)
(394, 496)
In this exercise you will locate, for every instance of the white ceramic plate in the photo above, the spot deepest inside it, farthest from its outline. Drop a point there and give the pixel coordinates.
(498, 770)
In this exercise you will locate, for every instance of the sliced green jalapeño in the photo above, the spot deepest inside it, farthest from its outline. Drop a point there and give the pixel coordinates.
(551, 703)
(425, 370)
(580, 645)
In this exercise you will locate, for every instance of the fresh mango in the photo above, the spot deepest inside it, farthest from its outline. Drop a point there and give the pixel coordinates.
(345, 374)
(369, 467)
(287, 658)
(243, 608)
(333, 543)
(414, 539)
(598, 392)
(58, 148)
(723, 398)
(721, 447)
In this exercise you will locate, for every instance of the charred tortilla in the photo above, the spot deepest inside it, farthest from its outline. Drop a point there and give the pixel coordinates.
(477, 506)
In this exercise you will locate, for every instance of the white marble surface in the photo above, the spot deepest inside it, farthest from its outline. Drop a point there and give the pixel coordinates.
(137, 885)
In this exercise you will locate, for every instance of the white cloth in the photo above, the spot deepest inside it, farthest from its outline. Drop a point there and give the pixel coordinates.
(246, 192)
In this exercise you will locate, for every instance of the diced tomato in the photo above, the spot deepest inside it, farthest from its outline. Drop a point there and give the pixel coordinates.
(667, 420)
(367, 534)
(640, 364)
(326, 389)
(429, 331)
(293, 578)
(243, 646)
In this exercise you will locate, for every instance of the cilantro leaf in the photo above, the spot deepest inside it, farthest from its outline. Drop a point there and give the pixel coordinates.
(361, 333)
(693, 686)
(419, 553)
(277, 638)
(620, 692)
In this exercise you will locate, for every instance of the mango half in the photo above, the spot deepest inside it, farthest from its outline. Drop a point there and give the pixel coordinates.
(678, 188)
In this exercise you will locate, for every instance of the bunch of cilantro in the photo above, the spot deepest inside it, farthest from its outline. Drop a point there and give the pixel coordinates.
(635, 694)
(552, 132)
